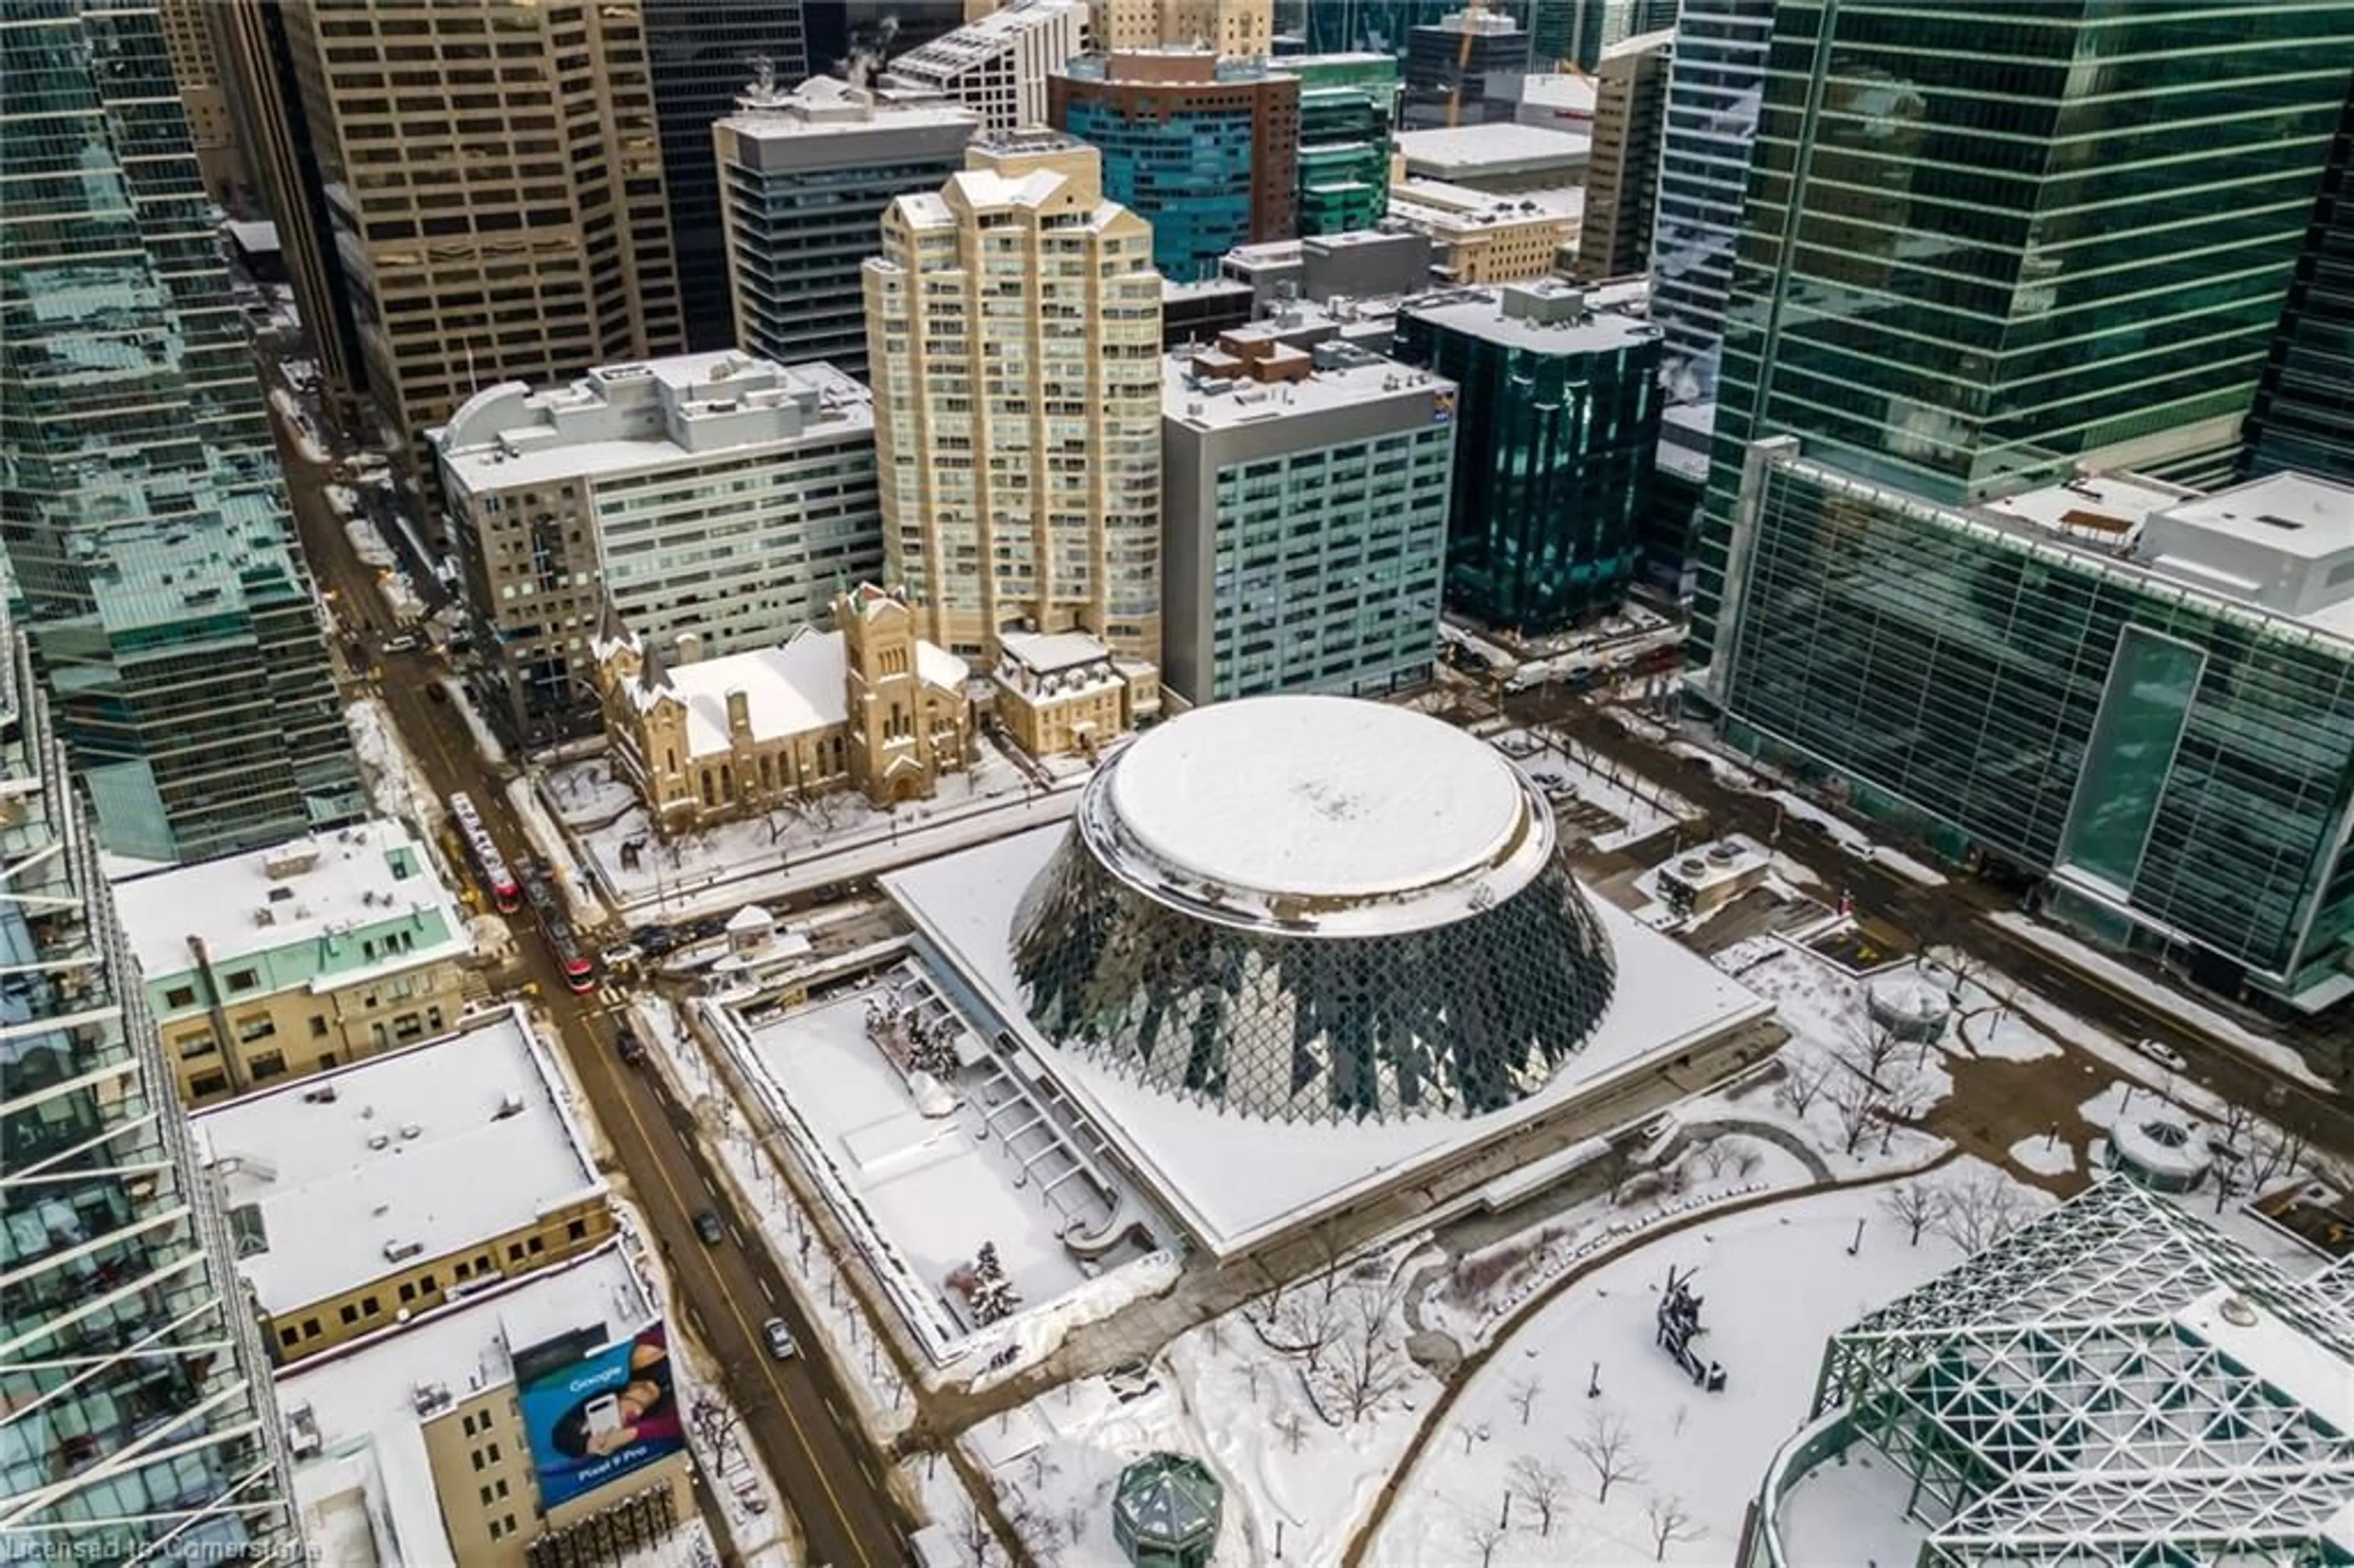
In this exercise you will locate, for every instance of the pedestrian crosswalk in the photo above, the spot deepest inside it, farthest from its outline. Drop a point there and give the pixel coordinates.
(612, 996)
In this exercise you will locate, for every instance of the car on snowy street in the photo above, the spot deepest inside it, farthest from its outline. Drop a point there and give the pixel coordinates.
(780, 1339)
(2165, 1055)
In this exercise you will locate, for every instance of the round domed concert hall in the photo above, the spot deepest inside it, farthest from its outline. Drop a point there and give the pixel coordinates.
(1277, 960)
(1313, 908)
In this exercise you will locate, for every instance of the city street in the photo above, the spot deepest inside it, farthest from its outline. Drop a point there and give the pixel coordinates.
(792, 1411)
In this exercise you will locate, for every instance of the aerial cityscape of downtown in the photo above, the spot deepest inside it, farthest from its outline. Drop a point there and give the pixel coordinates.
(1179, 783)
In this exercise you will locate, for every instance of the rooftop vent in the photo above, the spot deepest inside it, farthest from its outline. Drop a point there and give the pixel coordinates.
(396, 1251)
(2278, 521)
(379, 1140)
(410, 1130)
(510, 1105)
(324, 1094)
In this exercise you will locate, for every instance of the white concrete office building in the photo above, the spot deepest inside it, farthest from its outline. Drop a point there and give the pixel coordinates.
(717, 501)
(1304, 498)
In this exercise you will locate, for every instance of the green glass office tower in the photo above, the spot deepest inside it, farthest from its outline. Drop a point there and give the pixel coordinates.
(1559, 417)
(1348, 109)
(2058, 681)
(135, 1420)
(140, 505)
(1984, 241)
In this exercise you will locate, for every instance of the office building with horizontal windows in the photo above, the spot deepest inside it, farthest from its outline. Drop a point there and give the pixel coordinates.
(1348, 111)
(138, 1420)
(2142, 696)
(717, 501)
(1304, 499)
(1559, 413)
(2303, 417)
(806, 174)
(1204, 149)
(998, 64)
(700, 54)
(1966, 265)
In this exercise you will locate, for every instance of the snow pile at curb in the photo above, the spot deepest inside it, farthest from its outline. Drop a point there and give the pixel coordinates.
(549, 844)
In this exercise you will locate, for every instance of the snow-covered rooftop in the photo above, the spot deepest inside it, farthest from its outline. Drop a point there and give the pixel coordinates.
(313, 890)
(363, 1403)
(1234, 1180)
(1316, 798)
(1047, 651)
(438, 1146)
(1482, 152)
(792, 688)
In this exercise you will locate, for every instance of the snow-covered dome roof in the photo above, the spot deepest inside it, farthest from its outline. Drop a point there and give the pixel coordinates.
(1313, 909)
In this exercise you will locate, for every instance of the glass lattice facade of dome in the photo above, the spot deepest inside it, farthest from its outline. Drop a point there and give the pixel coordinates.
(1315, 909)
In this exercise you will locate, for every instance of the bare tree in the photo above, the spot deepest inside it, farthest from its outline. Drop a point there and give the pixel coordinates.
(1869, 1050)
(1294, 1430)
(1980, 1211)
(1714, 1155)
(1915, 1206)
(1483, 1535)
(1804, 1074)
(974, 1539)
(2278, 1151)
(1524, 1395)
(1856, 1101)
(1541, 1486)
(1670, 1521)
(1307, 1323)
(1370, 1364)
(1609, 1448)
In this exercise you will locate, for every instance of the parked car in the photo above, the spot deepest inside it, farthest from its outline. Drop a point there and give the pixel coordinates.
(632, 1049)
(780, 1339)
(2165, 1055)
(707, 1226)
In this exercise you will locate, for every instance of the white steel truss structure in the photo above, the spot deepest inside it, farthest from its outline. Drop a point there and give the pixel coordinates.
(2054, 1401)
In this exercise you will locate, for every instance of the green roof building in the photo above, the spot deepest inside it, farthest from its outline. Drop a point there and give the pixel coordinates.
(1165, 1512)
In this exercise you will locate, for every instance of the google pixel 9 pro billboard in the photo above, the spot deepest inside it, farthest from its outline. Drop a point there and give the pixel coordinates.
(598, 1416)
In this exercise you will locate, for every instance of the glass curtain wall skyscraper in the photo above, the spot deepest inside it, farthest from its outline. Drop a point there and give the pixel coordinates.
(2304, 418)
(703, 53)
(140, 505)
(135, 1420)
(1713, 85)
(1986, 241)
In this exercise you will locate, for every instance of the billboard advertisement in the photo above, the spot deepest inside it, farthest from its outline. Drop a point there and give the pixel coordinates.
(595, 1419)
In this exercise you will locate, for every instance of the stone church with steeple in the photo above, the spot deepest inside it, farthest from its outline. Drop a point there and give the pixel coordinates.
(868, 707)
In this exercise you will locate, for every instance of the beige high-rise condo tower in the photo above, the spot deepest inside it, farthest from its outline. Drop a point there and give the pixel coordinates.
(1013, 325)
(491, 171)
(1227, 27)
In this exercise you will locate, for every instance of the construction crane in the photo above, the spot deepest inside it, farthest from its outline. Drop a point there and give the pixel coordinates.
(1462, 66)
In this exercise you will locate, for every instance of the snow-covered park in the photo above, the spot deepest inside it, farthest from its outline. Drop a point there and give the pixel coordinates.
(1582, 1441)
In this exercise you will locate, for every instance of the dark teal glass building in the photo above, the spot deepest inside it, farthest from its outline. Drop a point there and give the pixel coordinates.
(2144, 696)
(1558, 419)
(1985, 241)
